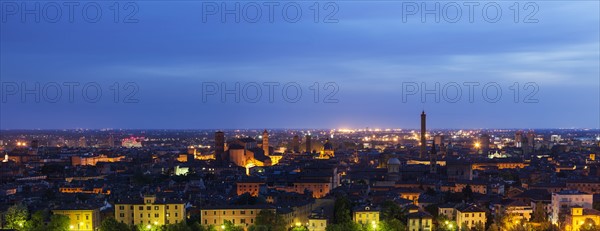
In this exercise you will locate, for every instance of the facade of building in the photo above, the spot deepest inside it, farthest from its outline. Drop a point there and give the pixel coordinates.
(420, 221)
(327, 152)
(244, 152)
(586, 186)
(82, 217)
(150, 211)
(317, 223)
(81, 189)
(447, 210)
(319, 188)
(366, 215)
(563, 201)
(519, 210)
(242, 216)
(581, 217)
(93, 160)
(470, 216)
(251, 187)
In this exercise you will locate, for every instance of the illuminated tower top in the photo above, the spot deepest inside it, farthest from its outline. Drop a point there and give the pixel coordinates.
(423, 151)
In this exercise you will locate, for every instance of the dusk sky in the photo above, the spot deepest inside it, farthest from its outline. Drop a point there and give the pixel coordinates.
(372, 51)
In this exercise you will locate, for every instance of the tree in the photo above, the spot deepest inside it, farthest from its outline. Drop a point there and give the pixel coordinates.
(110, 224)
(229, 226)
(432, 209)
(493, 227)
(548, 226)
(390, 210)
(258, 228)
(347, 226)
(58, 223)
(464, 226)
(16, 216)
(269, 219)
(196, 226)
(181, 226)
(539, 214)
(341, 211)
(37, 221)
(146, 227)
(468, 192)
(300, 228)
(589, 225)
(391, 225)
(479, 227)
(445, 224)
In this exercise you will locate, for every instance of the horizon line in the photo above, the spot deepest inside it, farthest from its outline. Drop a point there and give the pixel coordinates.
(228, 129)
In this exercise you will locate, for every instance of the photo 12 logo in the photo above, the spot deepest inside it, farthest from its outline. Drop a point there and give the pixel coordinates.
(453, 12)
(73, 11)
(254, 12)
(453, 92)
(71, 92)
(271, 92)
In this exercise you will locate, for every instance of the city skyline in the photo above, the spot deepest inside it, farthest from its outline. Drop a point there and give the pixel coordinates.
(350, 115)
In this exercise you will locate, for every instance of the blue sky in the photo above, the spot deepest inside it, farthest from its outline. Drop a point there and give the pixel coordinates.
(373, 50)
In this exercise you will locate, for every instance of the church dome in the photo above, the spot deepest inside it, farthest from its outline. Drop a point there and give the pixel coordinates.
(393, 161)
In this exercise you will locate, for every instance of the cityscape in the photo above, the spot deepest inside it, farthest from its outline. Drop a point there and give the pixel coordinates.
(313, 179)
(353, 115)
